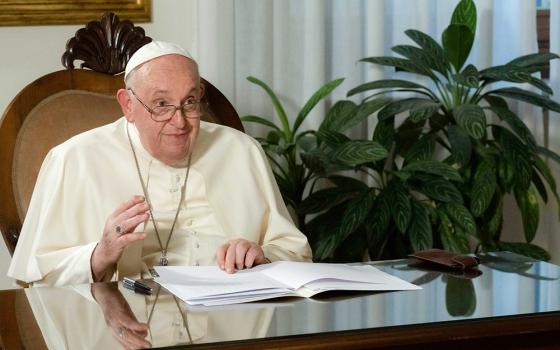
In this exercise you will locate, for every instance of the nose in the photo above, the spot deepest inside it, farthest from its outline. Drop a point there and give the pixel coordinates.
(178, 119)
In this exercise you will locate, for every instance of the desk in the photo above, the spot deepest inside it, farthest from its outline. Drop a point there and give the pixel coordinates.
(514, 303)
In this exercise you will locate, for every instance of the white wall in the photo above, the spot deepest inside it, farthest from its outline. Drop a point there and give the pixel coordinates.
(30, 52)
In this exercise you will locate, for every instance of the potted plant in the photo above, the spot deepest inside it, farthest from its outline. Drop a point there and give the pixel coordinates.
(442, 157)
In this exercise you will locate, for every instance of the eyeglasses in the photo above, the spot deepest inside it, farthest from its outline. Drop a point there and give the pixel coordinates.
(192, 109)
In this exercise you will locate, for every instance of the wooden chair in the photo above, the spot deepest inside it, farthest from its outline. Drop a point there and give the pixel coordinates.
(62, 104)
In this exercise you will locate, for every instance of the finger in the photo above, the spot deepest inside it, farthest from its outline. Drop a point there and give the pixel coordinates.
(131, 224)
(137, 209)
(125, 240)
(136, 340)
(128, 204)
(221, 255)
(251, 256)
(230, 258)
(240, 252)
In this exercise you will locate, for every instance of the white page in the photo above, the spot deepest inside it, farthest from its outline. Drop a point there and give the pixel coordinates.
(297, 274)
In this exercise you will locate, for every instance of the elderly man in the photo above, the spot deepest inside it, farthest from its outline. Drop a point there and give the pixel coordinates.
(192, 193)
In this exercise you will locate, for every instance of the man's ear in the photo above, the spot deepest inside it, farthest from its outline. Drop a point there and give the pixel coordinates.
(202, 90)
(123, 97)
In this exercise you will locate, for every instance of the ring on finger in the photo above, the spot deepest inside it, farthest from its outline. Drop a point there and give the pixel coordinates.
(120, 332)
(119, 229)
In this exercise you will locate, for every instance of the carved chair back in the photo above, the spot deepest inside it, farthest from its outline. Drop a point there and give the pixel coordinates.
(62, 104)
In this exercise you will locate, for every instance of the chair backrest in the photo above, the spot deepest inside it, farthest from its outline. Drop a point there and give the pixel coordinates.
(62, 104)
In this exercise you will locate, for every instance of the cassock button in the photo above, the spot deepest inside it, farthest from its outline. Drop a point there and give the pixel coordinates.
(197, 245)
(197, 264)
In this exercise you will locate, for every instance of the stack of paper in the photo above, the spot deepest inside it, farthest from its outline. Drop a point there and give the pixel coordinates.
(208, 285)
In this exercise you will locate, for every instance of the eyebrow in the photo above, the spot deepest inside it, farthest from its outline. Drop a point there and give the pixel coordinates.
(164, 92)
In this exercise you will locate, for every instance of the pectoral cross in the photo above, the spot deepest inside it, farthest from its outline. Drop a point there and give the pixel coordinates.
(163, 260)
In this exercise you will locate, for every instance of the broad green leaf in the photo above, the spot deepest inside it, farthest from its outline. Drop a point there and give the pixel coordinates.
(324, 249)
(544, 170)
(407, 134)
(434, 167)
(277, 106)
(355, 214)
(450, 238)
(457, 42)
(461, 216)
(363, 111)
(348, 183)
(496, 101)
(513, 74)
(401, 209)
(420, 231)
(527, 96)
(312, 102)
(273, 137)
(379, 218)
(533, 62)
(333, 139)
(483, 188)
(492, 225)
(385, 84)
(337, 115)
(423, 111)
(259, 120)
(472, 119)
(429, 45)
(357, 152)
(384, 132)
(400, 106)
(461, 146)
(316, 161)
(401, 64)
(469, 77)
(515, 153)
(420, 57)
(539, 186)
(325, 199)
(423, 149)
(307, 142)
(439, 189)
(527, 249)
(549, 154)
(529, 206)
(465, 13)
(516, 124)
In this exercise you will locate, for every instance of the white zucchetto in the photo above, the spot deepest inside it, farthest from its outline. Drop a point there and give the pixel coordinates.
(153, 50)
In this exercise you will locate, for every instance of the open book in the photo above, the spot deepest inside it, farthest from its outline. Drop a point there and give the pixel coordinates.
(208, 285)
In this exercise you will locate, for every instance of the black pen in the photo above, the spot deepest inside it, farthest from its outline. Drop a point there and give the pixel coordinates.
(137, 290)
(136, 285)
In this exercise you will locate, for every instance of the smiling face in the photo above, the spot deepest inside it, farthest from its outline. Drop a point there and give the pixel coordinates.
(171, 80)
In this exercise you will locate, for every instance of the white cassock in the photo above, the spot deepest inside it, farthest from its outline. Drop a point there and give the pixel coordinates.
(230, 193)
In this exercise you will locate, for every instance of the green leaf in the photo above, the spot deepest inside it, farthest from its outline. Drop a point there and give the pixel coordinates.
(423, 111)
(527, 249)
(461, 146)
(483, 188)
(539, 185)
(529, 206)
(434, 167)
(461, 216)
(325, 199)
(316, 161)
(515, 153)
(533, 62)
(452, 240)
(333, 139)
(423, 149)
(273, 137)
(401, 209)
(400, 106)
(364, 111)
(469, 77)
(277, 106)
(338, 115)
(548, 153)
(385, 84)
(420, 232)
(457, 42)
(355, 214)
(472, 119)
(312, 102)
(465, 13)
(527, 96)
(380, 215)
(513, 74)
(516, 124)
(420, 57)
(348, 183)
(357, 152)
(493, 219)
(401, 64)
(439, 189)
(384, 132)
(544, 170)
(430, 46)
(259, 120)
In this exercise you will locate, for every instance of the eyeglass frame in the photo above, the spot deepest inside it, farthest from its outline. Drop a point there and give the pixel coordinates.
(200, 102)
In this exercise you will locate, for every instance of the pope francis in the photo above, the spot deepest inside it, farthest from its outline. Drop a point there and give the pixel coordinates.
(158, 186)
